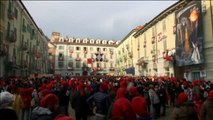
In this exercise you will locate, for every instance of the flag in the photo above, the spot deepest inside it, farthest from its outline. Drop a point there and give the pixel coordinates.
(89, 61)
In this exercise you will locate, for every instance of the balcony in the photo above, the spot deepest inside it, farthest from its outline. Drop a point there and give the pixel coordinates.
(3, 49)
(11, 35)
(70, 68)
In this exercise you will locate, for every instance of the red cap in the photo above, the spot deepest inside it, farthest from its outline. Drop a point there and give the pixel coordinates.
(49, 100)
(133, 91)
(182, 97)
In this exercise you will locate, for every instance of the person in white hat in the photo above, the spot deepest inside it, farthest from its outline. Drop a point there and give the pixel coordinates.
(6, 111)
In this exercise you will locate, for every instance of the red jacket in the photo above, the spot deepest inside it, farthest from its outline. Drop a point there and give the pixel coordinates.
(26, 96)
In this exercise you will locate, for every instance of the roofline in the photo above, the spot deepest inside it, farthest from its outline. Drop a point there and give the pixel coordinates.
(161, 15)
(30, 17)
(130, 33)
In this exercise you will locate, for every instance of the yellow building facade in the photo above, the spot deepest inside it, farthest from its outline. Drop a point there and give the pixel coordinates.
(126, 54)
(23, 46)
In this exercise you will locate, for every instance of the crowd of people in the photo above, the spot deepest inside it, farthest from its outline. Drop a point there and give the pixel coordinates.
(105, 97)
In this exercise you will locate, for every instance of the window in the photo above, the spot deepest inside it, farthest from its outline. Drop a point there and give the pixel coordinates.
(78, 64)
(164, 25)
(104, 65)
(91, 48)
(111, 56)
(85, 48)
(70, 55)
(98, 49)
(16, 13)
(60, 47)
(1, 37)
(111, 64)
(28, 28)
(91, 55)
(98, 65)
(153, 31)
(2, 11)
(78, 55)
(104, 49)
(70, 64)
(195, 75)
(60, 64)
(85, 55)
(77, 48)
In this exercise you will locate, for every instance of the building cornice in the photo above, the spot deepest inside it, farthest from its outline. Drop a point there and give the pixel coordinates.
(162, 15)
(82, 44)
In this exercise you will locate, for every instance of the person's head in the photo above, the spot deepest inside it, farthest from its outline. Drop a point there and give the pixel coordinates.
(43, 93)
(133, 91)
(121, 92)
(6, 99)
(182, 98)
(50, 101)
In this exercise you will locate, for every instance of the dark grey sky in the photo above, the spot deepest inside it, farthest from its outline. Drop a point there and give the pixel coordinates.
(93, 19)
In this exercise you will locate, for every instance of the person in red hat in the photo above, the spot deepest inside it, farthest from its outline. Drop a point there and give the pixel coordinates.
(184, 110)
(47, 109)
(207, 107)
(26, 96)
(122, 108)
(139, 105)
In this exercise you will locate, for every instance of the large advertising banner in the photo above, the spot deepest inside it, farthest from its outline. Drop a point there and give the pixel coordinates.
(189, 36)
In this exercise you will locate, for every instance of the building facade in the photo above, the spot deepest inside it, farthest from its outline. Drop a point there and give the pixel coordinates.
(126, 54)
(23, 46)
(77, 57)
(178, 42)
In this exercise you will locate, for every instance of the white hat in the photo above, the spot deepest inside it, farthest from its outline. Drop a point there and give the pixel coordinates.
(6, 98)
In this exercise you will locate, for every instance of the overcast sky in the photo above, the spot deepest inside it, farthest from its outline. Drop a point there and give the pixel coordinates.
(93, 19)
